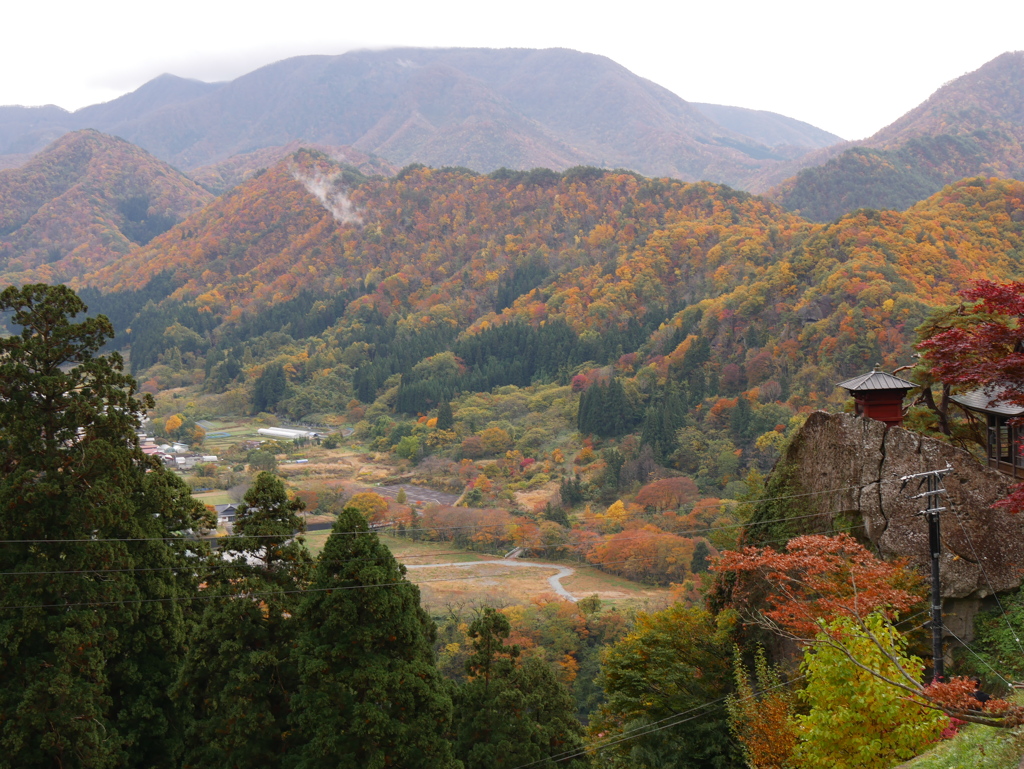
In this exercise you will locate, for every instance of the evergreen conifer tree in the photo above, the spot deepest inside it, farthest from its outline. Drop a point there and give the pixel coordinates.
(701, 557)
(269, 388)
(90, 627)
(509, 715)
(369, 694)
(445, 418)
(239, 676)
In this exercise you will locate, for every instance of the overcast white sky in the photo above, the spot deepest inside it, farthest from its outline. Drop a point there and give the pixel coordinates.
(849, 68)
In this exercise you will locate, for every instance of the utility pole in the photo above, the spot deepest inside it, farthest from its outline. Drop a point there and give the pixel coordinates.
(933, 481)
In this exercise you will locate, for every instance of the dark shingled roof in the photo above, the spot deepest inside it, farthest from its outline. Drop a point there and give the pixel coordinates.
(987, 401)
(876, 380)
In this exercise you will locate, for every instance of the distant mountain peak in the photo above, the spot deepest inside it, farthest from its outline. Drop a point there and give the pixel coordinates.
(971, 126)
(475, 107)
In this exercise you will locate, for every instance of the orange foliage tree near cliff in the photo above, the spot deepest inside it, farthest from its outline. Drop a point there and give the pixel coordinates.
(830, 592)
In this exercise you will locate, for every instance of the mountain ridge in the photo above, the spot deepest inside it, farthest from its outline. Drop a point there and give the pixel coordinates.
(971, 126)
(82, 203)
(480, 108)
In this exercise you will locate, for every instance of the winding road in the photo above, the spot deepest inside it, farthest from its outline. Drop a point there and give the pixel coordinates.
(555, 581)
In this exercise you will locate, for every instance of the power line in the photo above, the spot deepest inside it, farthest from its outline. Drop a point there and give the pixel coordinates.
(306, 590)
(988, 581)
(228, 564)
(980, 658)
(646, 729)
(425, 529)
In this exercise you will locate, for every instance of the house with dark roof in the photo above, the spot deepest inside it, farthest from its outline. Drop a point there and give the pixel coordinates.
(1003, 438)
(226, 514)
(878, 396)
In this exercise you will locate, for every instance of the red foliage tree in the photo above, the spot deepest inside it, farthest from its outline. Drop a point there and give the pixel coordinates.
(984, 345)
(668, 493)
(981, 346)
(819, 578)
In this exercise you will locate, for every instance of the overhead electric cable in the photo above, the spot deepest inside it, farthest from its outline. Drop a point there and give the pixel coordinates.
(988, 581)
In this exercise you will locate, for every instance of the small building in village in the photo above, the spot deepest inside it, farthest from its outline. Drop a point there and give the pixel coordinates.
(226, 514)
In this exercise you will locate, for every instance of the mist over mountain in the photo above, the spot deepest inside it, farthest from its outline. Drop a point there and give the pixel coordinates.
(479, 108)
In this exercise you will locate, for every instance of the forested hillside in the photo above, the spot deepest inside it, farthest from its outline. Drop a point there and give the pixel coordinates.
(630, 266)
(84, 202)
(693, 324)
(604, 367)
(971, 126)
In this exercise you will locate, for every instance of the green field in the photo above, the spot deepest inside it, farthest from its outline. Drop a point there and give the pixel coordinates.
(221, 433)
(214, 498)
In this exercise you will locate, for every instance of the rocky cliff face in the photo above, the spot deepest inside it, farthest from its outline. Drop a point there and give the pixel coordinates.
(850, 470)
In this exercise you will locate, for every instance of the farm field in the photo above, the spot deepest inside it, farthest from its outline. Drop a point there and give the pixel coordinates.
(496, 583)
(218, 497)
(491, 583)
(221, 433)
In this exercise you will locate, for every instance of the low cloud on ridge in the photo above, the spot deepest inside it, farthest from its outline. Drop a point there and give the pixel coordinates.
(322, 187)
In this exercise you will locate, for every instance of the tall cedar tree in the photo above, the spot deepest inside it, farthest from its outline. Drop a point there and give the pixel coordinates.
(445, 418)
(239, 676)
(88, 645)
(509, 715)
(369, 692)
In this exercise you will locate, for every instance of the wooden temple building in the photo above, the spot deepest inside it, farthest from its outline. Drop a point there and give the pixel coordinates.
(1003, 439)
(878, 396)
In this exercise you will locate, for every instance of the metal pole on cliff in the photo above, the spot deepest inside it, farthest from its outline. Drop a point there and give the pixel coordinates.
(933, 479)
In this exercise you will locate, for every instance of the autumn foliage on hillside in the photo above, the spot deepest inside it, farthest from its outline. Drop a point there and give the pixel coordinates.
(681, 329)
(85, 201)
(787, 307)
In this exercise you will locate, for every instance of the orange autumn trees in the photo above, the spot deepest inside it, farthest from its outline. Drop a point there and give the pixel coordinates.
(761, 714)
(831, 593)
(819, 578)
(668, 493)
(647, 554)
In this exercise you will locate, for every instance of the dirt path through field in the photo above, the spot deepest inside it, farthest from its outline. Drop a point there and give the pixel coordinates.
(555, 581)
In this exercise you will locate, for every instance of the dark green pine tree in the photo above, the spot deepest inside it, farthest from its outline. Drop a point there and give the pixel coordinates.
(269, 388)
(265, 529)
(616, 418)
(590, 408)
(701, 559)
(155, 643)
(91, 628)
(238, 678)
(370, 694)
(509, 715)
(662, 421)
(445, 418)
